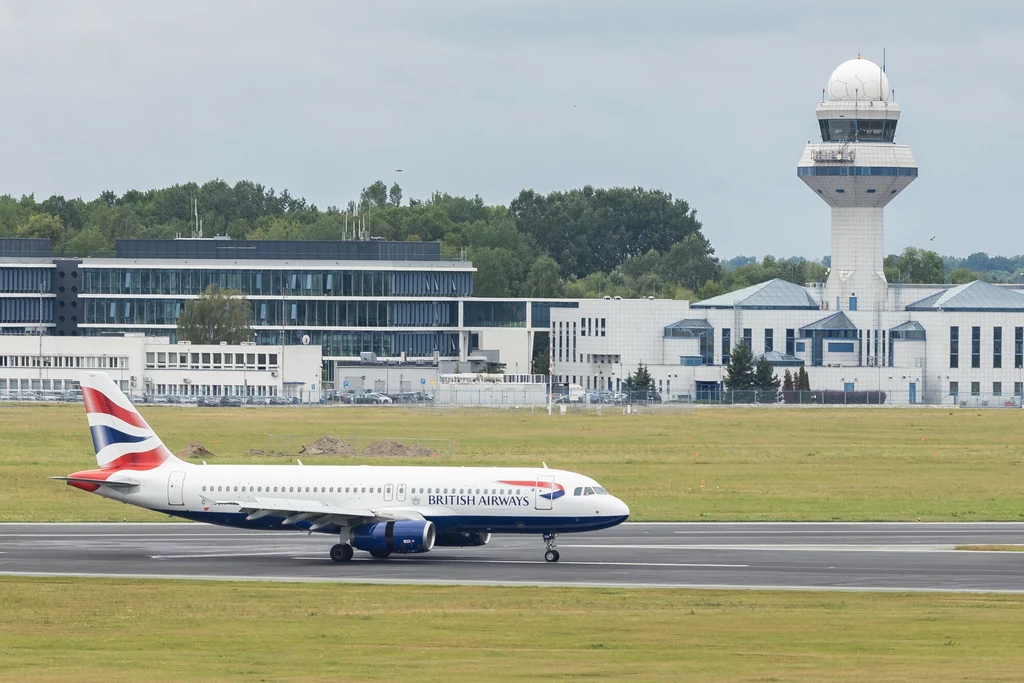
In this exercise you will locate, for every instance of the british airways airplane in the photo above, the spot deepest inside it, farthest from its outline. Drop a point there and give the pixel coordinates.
(380, 510)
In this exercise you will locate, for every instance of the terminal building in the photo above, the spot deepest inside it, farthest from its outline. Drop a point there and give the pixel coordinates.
(918, 343)
(398, 316)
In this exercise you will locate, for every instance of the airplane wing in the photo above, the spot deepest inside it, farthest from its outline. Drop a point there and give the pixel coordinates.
(321, 514)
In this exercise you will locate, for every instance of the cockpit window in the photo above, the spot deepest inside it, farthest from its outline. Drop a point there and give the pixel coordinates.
(578, 491)
(600, 490)
(588, 491)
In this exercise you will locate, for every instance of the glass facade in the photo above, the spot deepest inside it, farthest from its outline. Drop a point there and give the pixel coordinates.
(540, 311)
(856, 171)
(27, 280)
(26, 310)
(267, 282)
(857, 130)
(495, 314)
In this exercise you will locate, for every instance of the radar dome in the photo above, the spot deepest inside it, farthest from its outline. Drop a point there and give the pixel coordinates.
(858, 80)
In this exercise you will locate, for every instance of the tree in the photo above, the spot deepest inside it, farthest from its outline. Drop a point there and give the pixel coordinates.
(961, 276)
(395, 195)
(217, 315)
(764, 376)
(692, 261)
(543, 279)
(803, 382)
(639, 383)
(739, 374)
(787, 381)
(914, 266)
(374, 195)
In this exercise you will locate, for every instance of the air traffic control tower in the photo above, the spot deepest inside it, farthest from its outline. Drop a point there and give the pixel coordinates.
(857, 169)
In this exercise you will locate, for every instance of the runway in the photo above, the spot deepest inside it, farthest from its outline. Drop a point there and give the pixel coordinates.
(796, 556)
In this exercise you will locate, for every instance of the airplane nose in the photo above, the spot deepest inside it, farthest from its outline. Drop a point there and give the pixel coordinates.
(621, 508)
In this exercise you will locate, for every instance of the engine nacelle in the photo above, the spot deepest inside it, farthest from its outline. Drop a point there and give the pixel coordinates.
(404, 536)
(462, 539)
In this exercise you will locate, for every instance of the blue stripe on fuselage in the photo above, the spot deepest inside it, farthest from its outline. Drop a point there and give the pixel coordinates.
(468, 523)
(103, 436)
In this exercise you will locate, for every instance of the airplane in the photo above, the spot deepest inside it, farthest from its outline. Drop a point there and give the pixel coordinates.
(379, 510)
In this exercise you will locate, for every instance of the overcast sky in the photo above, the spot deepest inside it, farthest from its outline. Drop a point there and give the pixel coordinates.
(713, 102)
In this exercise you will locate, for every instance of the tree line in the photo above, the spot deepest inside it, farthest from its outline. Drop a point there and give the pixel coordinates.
(586, 242)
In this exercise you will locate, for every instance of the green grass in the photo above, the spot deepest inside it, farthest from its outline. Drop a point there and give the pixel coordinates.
(73, 630)
(719, 464)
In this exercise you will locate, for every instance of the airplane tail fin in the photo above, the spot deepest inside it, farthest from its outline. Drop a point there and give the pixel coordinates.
(121, 437)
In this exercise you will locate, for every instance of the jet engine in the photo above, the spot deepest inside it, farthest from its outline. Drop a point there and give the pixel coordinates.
(462, 539)
(404, 536)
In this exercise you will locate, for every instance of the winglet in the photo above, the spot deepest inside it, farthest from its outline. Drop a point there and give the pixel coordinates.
(545, 464)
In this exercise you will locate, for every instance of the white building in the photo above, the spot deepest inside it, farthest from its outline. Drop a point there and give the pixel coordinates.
(918, 343)
(144, 367)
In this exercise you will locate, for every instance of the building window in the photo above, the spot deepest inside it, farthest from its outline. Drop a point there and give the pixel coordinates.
(840, 347)
(954, 389)
(840, 191)
(975, 347)
(790, 339)
(603, 327)
(1018, 347)
(769, 340)
(748, 338)
(997, 347)
(975, 388)
(801, 347)
(1018, 387)
(954, 347)
(726, 345)
(997, 388)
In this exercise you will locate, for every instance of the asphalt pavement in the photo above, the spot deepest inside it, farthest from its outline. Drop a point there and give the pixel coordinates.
(814, 556)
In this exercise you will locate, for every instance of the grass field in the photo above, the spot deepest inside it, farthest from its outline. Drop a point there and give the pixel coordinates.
(74, 630)
(717, 464)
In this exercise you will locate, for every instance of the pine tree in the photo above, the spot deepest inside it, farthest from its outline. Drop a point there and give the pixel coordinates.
(739, 375)
(803, 382)
(787, 381)
(764, 376)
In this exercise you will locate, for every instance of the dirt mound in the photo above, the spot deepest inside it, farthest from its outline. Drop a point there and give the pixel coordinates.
(256, 451)
(328, 445)
(194, 449)
(395, 449)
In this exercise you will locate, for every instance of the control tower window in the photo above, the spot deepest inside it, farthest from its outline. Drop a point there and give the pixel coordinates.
(863, 130)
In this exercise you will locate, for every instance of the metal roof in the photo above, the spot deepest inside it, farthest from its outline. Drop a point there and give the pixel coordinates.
(689, 324)
(836, 321)
(772, 294)
(973, 296)
(909, 326)
(780, 358)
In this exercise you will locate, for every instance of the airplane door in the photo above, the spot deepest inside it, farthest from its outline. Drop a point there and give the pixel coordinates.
(176, 489)
(400, 493)
(545, 487)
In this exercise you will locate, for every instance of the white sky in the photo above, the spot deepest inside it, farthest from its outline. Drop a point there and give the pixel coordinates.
(713, 102)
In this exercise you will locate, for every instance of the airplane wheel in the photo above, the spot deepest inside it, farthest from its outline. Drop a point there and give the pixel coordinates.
(380, 554)
(341, 552)
(551, 556)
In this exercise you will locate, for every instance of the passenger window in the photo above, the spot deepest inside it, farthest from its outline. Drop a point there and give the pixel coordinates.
(517, 492)
(577, 491)
(204, 488)
(346, 489)
(332, 490)
(236, 489)
(291, 489)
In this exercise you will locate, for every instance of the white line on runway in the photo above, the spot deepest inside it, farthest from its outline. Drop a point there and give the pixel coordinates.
(215, 555)
(781, 546)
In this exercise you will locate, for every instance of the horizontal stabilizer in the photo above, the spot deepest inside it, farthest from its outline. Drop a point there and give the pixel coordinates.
(119, 484)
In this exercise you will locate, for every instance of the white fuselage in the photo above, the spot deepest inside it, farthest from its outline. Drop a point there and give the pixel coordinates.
(466, 499)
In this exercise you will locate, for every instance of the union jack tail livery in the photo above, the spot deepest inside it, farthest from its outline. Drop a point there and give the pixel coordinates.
(122, 439)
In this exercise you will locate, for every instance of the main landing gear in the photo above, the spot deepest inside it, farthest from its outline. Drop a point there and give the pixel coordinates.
(341, 552)
(551, 555)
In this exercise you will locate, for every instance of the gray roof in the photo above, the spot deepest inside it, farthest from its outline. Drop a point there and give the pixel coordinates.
(909, 326)
(772, 294)
(974, 296)
(689, 324)
(836, 321)
(779, 358)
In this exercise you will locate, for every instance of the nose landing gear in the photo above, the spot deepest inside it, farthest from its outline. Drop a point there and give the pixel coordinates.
(551, 555)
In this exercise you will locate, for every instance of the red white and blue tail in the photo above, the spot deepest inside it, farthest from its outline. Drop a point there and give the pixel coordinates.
(121, 437)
